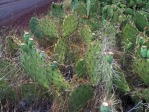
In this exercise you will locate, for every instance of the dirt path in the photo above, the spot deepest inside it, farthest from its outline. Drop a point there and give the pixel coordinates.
(19, 10)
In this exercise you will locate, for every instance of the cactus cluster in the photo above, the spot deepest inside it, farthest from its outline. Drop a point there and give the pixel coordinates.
(82, 48)
(34, 64)
(47, 73)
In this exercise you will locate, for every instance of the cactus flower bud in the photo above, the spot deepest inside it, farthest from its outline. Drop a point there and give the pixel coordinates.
(143, 51)
(140, 41)
(130, 46)
(104, 107)
(26, 37)
(148, 54)
(24, 47)
(109, 57)
(54, 65)
(30, 42)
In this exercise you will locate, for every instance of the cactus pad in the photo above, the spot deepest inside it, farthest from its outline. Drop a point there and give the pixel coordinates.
(60, 50)
(120, 81)
(70, 24)
(6, 92)
(80, 68)
(58, 10)
(81, 9)
(91, 62)
(129, 34)
(141, 21)
(80, 96)
(58, 80)
(34, 27)
(86, 34)
(34, 65)
(48, 28)
(142, 93)
(140, 67)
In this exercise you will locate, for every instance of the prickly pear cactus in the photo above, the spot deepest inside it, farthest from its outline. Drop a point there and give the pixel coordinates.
(86, 34)
(34, 65)
(56, 78)
(129, 34)
(140, 67)
(29, 91)
(74, 4)
(70, 24)
(57, 10)
(60, 50)
(93, 23)
(34, 27)
(41, 70)
(88, 5)
(48, 28)
(12, 44)
(6, 92)
(94, 6)
(129, 11)
(110, 13)
(91, 62)
(80, 68)
(120, 81)
(80, 96)
(141, 93)
(141, 21)
(81, 9)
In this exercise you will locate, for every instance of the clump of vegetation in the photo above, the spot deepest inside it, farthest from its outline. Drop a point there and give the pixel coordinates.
(83, 55)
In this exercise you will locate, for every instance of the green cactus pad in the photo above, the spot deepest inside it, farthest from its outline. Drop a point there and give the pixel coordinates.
(91, 62)
(141, 21)
(110, 13)
(120, 81)
(81, 9)
(70, 24)
(58, 10)
(34, 27)
(86, 34)
(93, 23)
(129, 11)
(58, 80)
(80, 68)
(142, 93)
(88, 5)
(140, 67)
(48, 28)
(74, 4)
(94, 6)
(34, 65)
(29, 91)
(129, 34)
(6, 92)
(143, 51)
(80, 96)
(60, 50)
